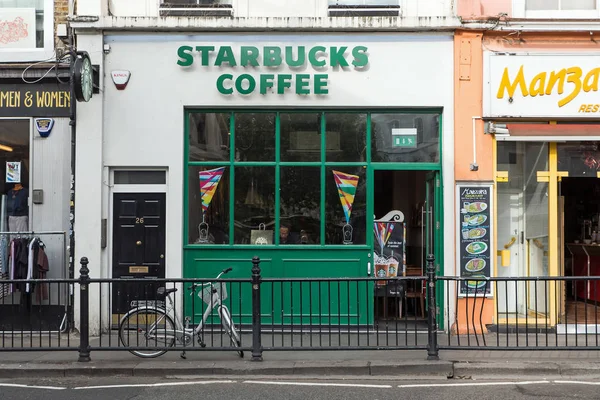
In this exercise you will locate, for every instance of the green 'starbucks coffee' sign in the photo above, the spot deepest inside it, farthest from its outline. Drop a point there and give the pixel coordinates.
(273, 57)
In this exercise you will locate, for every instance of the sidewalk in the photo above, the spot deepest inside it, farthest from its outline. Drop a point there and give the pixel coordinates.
(376, 364)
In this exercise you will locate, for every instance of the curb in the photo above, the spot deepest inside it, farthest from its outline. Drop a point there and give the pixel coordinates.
(416, 369)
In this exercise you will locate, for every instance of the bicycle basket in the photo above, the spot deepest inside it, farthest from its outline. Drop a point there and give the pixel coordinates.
(207, 293)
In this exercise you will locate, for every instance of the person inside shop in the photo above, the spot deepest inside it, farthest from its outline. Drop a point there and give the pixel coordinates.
(17, 208)
(285, 236)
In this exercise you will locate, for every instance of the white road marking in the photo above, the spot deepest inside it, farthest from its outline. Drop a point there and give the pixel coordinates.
(31, 386)
(473, 384)
(151, 385)
(578, 382)
(318, 384)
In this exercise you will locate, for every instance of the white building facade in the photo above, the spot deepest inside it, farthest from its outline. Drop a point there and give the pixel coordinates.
(273, 101)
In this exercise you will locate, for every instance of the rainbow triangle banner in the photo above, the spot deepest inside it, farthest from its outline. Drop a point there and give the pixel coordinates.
(209, 180)
(346, 185)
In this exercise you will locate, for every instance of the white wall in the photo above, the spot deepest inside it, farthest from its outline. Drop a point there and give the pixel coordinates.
(279, 8)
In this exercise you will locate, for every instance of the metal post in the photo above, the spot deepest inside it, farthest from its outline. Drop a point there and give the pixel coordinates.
(432, 345)
(84, 311)
(256, 327)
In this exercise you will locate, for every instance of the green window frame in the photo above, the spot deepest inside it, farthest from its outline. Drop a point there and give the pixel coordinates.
(231, 164)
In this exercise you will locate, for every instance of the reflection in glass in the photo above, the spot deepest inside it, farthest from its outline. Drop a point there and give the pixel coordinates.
(579, 159)
(254, 137)
(346, 137)
(216, 215)
(254, 205)
(336, 229)
(405, 137)
(300, 137)
(209, 136)
(300, 205)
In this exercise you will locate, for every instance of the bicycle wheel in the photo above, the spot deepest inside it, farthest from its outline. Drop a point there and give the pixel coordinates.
(229, 327)
(147, 328)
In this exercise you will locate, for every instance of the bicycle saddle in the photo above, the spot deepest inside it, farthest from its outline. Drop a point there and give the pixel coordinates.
(162, 290)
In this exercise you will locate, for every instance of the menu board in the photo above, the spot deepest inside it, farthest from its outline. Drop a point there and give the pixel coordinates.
(389, 249)
(474, 222)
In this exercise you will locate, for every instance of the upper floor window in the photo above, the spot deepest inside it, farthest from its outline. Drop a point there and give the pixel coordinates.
(26, 30)
(557, 8)
(187, 8)
(370, 8)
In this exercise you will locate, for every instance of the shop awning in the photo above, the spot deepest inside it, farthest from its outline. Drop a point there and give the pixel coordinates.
(544, 131)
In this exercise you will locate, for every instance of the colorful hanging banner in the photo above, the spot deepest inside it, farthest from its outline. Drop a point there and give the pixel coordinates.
(209, 180)
(346, 185)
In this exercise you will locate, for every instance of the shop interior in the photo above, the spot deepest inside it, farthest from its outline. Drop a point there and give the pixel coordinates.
(580, 222)
(407, 194)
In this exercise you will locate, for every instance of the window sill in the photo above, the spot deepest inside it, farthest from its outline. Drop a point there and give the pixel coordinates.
(178, 10)
(364, 11)
(26, 55)
(566, 15)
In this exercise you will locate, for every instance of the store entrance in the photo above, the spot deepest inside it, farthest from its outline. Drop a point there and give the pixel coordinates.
(405, 230)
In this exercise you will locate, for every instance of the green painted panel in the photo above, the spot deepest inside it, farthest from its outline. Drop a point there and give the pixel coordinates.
(289, 303)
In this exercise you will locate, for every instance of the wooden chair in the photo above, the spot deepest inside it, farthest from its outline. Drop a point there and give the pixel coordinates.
(414, 289)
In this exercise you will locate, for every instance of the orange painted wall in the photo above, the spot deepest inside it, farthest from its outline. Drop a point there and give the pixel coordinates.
(468, 52)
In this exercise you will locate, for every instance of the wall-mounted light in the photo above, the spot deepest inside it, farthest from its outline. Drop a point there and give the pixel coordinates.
(6, 148)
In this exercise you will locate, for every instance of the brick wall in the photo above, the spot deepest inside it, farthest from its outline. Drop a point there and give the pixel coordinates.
(61, 11)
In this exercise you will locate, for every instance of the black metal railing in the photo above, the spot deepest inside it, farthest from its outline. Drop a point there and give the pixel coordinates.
(151, 316)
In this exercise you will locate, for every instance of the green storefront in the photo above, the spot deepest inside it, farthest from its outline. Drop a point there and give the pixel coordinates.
(267, 178)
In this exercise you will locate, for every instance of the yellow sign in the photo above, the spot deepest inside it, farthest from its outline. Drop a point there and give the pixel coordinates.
(549, 83)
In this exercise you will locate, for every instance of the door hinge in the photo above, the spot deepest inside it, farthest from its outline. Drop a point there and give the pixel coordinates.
(437, 182)
(437, 224)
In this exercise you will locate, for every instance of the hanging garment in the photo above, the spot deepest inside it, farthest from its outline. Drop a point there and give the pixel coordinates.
(41, 290)
(21, 259)
(4, 287)
(30, 262)
(18, 223)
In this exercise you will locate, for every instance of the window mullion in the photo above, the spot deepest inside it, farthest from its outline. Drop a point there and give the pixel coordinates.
(323, 177)
(277, 175)
(231, 178)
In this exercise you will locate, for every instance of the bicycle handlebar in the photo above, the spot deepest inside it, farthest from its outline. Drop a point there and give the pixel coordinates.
(195, 285)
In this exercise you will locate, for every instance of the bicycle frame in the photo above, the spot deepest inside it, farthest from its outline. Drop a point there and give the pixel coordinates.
(180, 330)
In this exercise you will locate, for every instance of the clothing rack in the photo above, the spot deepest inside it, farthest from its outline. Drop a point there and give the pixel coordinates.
(65, 272)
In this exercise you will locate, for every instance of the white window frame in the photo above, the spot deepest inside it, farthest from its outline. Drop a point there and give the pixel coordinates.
(519, 11)
(35, 54)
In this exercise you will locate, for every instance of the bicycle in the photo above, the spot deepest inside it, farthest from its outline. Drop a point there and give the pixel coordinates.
(157, 322)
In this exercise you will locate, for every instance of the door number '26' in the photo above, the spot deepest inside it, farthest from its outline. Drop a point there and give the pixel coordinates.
(139, 220)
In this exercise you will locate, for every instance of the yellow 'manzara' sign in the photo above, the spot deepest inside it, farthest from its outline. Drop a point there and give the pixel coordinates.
(565, 82)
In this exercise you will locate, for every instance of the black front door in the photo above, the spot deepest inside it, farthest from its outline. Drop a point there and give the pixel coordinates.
(138, 246)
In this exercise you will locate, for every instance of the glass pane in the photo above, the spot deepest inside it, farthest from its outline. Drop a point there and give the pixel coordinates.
(345, 221)
(579, 159)
(254, 137)
(300, 137)
(300, 205)
(254, 205)
(578, 4)
(541, 4)
(208, 205)
(522, 226)
(405, 137)
(26, 32)
(363, 2)
(209, 136)
(140, 177)
(346, 137)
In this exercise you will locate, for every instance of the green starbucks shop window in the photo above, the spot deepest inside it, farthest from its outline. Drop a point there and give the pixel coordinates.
(296, 189)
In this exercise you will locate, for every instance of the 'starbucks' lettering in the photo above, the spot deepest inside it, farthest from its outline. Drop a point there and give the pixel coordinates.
(273, 57)
(547, 83)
